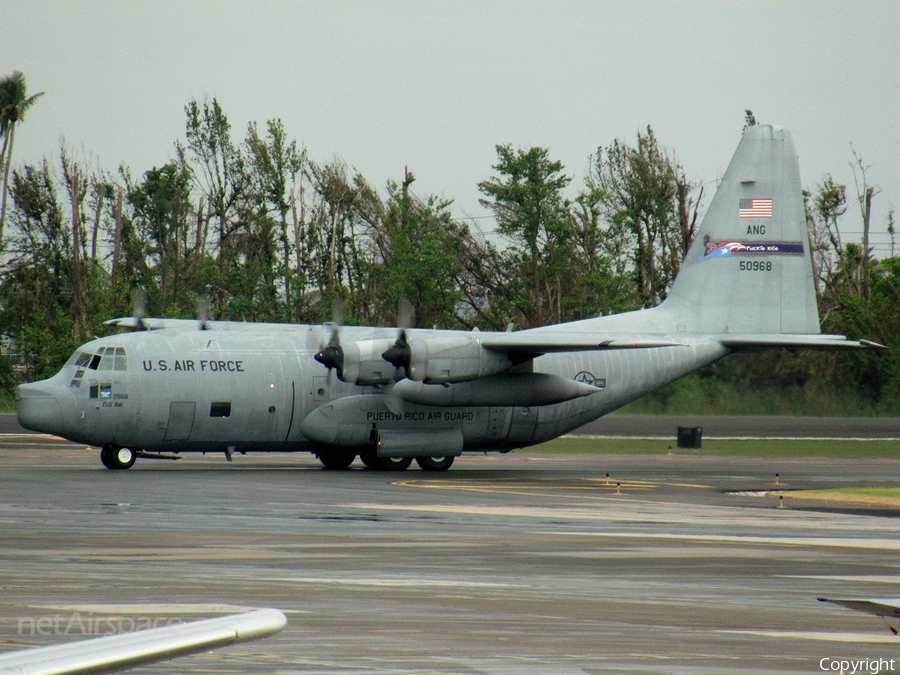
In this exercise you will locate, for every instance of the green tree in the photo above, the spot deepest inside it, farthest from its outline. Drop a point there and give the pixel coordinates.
(418, 258)
(599, 282)
(14, 102)
(345, 211)
(219, 169)
(275, 166)
(36, 289)
(527, 200)
(646, 192)
(161, 206)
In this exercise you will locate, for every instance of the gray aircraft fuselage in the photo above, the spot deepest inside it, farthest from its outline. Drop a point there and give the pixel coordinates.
(258, 388)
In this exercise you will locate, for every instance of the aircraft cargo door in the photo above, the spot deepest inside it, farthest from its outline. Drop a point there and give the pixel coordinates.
(181, 420)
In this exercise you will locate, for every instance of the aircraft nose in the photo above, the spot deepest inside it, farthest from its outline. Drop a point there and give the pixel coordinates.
(38, 407)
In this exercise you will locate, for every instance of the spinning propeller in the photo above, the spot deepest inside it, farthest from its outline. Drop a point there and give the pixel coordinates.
(399, 354)
(203, 311)
(139, 308)
(331, 354)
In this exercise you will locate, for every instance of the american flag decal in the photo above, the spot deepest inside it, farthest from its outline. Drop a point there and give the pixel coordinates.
(755, 208)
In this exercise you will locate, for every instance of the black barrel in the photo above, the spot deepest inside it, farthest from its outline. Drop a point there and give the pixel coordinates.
(690, 437)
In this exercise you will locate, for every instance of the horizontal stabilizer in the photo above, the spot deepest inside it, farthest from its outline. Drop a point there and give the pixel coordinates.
(815, 341)
(126, 650)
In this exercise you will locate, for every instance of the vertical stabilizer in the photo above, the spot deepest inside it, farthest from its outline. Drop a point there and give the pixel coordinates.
(749, 269)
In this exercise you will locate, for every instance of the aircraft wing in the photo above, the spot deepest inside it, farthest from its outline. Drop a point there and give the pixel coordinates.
(546, 342)
(125, 650)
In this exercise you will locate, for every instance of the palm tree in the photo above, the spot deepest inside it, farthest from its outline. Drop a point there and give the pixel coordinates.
(14, 101)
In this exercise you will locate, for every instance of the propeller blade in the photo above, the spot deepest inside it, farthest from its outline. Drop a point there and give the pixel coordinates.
(406, 314)
(399, 354)
(203, 310)
(338, 312)
(331, 355)
(139, 307)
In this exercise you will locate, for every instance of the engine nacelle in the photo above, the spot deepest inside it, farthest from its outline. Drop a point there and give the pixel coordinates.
(503, 390)
(364, 365)
(443, 360)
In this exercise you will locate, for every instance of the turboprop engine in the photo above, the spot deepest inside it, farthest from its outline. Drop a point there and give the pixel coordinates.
(360, 361)
(444, 360)
(363, 363)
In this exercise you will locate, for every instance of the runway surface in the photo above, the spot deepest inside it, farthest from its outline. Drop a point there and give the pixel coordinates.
(505, 564)
(666, 426)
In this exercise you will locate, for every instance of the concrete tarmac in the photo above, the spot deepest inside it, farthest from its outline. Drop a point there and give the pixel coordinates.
(744, 426)
(520, 564)
(666, 426)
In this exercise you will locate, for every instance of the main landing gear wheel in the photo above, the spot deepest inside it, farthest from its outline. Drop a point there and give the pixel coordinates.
(386, 463)
(114, 457)
(394, 463)
(337, 461)
(434, 463)
(370, 460)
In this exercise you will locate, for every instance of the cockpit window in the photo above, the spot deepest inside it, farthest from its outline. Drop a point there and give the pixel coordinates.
(76, 381)
(121, 362)
(106, 358)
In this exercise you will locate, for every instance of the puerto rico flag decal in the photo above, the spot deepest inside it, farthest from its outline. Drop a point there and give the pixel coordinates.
(726, 249)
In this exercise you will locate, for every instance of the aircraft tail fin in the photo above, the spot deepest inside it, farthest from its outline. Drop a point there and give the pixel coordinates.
(749, 270)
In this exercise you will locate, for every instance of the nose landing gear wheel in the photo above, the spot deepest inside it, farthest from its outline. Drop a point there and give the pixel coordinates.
(114, 457)
(434, 463)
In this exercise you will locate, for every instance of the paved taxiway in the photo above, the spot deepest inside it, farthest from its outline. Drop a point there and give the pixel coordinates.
(666, 426)
(505, 564)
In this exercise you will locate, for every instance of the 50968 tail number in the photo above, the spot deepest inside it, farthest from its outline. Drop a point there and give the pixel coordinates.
(755, 265)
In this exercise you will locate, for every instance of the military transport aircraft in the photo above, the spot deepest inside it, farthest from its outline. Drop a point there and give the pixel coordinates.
(388, 395)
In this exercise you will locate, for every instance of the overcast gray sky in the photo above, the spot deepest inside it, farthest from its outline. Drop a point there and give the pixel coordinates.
(435, 85)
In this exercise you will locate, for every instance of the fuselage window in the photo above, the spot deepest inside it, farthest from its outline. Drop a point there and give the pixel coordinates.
(220, 409)
(76, 381)
(95, 361)
(95, 389)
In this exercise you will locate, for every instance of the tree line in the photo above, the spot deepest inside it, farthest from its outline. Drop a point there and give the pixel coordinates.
(251, 228)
